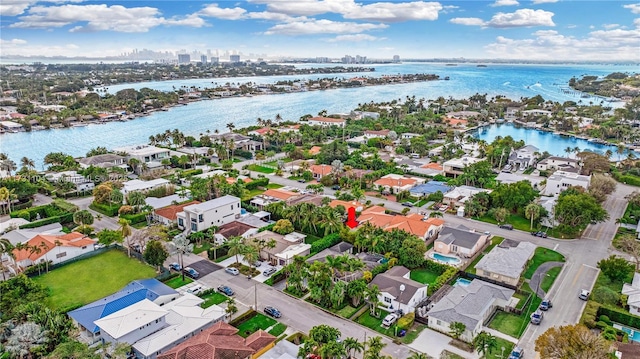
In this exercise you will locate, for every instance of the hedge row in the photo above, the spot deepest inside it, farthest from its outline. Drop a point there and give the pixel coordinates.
(66, 218)
(45, 211)
(434, 266)
(135, 218)
(257, 182)
(189, 173)
(627, 179)
(105, 209)
(276, 277)
(324, 243)
(243, 317)
(620, 317)
(442, 279)
(219, 252)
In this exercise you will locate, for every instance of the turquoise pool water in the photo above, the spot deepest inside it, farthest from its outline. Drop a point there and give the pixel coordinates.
(633, 334)
(445, 259)
(462, 282)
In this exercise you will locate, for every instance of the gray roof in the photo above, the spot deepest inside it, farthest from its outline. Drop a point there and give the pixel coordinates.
(391, 280)
(98, 159)
(459, 237)
(214, 203)
(469, 304)
(507, 261)
(24, 235)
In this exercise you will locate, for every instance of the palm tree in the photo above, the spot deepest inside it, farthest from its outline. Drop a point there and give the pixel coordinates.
(532, 211)
(435, 214)
(372, 294)
(183, 246)
(485, 343)
(236, 246)
(126, 231)
(353, 346)
(231, 307)
(5, 248)
(250, 254)
(27, 163)
(416, 355)
(374, 346)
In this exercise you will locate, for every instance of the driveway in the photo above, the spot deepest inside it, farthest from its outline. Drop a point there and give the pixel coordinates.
(539, 275)
(204, 267)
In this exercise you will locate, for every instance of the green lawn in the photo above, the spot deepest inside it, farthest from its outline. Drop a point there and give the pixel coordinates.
(542, 255)
(252, 193)
(274, 186)
(423, 276)
(516, 220)
(311, 238)
(497, 353)
(278, 329)
(213, 298)
(252, 325)
(548, 280)
(177, 282)
(511, 324)
(375, 323)
(262, 169)
(522, 297)
(203, 248)
(471, 268)
(347, 311)
(87, 280)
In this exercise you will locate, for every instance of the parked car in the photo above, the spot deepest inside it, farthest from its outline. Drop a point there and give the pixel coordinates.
(584, 294)
(191, 272)
(195, 289)
(407, 204)
(539, 234)
(389, 319)
(272, 312)
(507, 226)
(269, 271)
(226, 290)
(517, 353)
(98, 246)
(257, 264)
(232, 270)
(175, 266)
(546, 304)
(536, 317)
(302, 180)
(335, 187)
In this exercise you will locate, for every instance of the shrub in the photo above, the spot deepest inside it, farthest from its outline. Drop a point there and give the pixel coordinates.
(590, 313)
(125, 210)
(66, 218)
(24, 214)
(256, 182)
(218, 253)
(135, 218)
(105, 209)
(189, 173)
(379, 269)
(604, 318)
(442, 279)
(325, 243)
(434, 266)
(276, 277)
(605, 295)
(621, 317)
(406, 321)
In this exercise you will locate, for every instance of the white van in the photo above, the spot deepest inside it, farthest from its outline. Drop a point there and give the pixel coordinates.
(195, 289)
(415, 155)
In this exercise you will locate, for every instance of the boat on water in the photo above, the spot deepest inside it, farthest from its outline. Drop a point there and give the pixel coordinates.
(451, 64)
(446, 78)
(481, 65)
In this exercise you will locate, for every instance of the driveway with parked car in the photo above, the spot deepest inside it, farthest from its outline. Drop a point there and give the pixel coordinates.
(204, 267)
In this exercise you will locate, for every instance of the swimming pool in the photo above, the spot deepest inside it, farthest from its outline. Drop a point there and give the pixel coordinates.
(633, 333)
(463, 282)
(445, 259)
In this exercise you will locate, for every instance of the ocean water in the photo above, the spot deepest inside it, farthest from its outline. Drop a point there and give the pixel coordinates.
(512, 81)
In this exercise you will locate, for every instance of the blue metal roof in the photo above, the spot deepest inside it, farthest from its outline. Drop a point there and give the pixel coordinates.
(431, 187)
(132, 293)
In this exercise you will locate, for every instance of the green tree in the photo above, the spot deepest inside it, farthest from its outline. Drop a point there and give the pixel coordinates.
(73, 350)
(126, 231)
(83, 218)
(500, 214)
(183, 246)
(236, 246)
(353, 346)
(24, 339)
(372, 298)
(356, 290)
(456, 329)
(617, 269)
(576, 209)
(571, 341)
(374, 348)
(283, 226)
(136, 200)
(485, 343)
(155, 253)
(411, 254)
(532, 212)
(231, 307)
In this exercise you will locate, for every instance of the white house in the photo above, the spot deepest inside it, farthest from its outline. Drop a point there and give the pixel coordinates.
(143, 186)
(524, 157)
(456, 166)
(398, 291)
(286, 256)
(470, 305)
(326, 121)
(54, 248)
(537, 112)
(461, 194)
(394, 183)
(561, 180)
(633, 292)
(216, 212)
(81, 182)
(557, 163)
(151, 155)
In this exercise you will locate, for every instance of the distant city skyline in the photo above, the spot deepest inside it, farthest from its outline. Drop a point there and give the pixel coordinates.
(542, 30)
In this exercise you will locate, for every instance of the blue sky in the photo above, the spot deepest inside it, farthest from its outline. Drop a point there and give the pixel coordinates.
(506, 29)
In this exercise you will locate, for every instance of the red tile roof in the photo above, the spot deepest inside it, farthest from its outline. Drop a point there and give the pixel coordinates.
(315, 150)
(433, 166)
(322, 170)
(326, 119)
(171, 212)
(73, 239)
(392, 182)
(280, 194)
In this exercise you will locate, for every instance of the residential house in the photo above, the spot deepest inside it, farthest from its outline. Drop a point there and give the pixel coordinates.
(80, 182)
(161, 202)
(347, 204)
(285, 257)
(261, 131)
(272, 196)
(632, 291)
(320, 171)
(506, 262)
(221, 341)
(460, 241)
(430, 169)
(507, 178)
(242, 142)
(413, 224)
(462, 114)
(286, 247)
(314, 150)
(557, 163)
(430, 187)
(537, 112)
(368, 134)
(151, 155)
(561, 180)
(335, 251)
(455, 166)
(84, 318)
(283, 349)
(152, 329)
(398, 292)
(470, 305)
(16, 236)
(408, 135)
(137, 185)
(216, 212)
(456, 123)
(461, 194)
(53, 248)
(326, 121)
(235, 229)
(358, 115)
(394, 183)
(169, 215)
(107, 160)
(11, 126)
(524, 157)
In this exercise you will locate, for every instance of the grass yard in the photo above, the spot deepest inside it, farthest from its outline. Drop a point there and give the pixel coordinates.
(497, 353)
(471, 268)
(423, 276)
(551, 276)
(261, 169)
(347, 311)
(511, 324)
(542, 255)
(311, 238)
(278, 329)
(449, 355)
(177, 282)
(252, 325)
(523, 299)
(274, 186)
(203, 248)
(516, 220)
(213, 298)
(87, 280)
(252, 193)
(413, 333)
(375, 323)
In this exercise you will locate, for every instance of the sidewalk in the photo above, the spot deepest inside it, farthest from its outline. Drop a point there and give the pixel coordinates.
(498, 334)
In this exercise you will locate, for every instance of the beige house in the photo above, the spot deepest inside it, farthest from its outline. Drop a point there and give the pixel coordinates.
(460, 241)
(394, 183)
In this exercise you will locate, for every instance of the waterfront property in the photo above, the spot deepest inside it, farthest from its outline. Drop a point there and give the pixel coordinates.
(558, 163)
(455, 166)
(560, 181)
(151, 155)
(107, 160)
(326, 121)
(216, 212)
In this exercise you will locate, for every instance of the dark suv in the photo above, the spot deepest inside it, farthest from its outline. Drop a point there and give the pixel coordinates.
(507, 226)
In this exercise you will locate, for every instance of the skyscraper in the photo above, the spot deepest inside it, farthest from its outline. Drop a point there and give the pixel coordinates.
(203, 59)
(184, 58)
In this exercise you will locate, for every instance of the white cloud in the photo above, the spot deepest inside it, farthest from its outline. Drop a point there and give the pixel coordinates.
(519, 18)
(322, 27)
(635, 8)
(101, 18)
(469, 21)
(212, 10)
(551, 45)
(308, 7)
(395, 12)
(522, 18)
(273, 16)
(354, 38)
(610, 26)
(505, 3)
(12, 42)
(17, 7)
(544, 1)
(636, 22)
